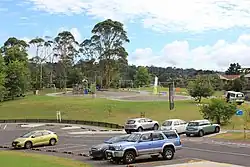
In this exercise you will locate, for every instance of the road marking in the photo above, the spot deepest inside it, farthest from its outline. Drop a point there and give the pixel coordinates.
(5, 126)
(212, 151)
(70, 128)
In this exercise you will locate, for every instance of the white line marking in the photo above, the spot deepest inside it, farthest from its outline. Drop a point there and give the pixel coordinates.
(5, 126)
(90, 132)
(69, 128)
(66, 148)
(221, 152)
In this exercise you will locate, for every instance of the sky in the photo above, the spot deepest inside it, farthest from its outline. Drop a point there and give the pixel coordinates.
(200, 34)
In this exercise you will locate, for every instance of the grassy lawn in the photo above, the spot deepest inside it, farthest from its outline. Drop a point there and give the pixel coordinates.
(20, 159)
(80, 108)
(233, 136)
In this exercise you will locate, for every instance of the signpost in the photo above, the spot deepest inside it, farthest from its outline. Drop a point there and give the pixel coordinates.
(155, 91)
(239, 112)
(58, 116)
(171, 96)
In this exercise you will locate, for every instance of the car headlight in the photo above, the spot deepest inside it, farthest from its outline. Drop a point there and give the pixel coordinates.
(118, 148)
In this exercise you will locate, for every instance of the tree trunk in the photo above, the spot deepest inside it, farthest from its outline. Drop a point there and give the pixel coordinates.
(41, 75)
(218, 120)
(199, 99)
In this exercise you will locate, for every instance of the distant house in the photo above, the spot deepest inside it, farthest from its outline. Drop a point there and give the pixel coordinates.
(228, 77)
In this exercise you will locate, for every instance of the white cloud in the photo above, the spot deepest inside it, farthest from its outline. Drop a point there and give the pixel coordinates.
(74, 31)
(159, 15)
(179, 54)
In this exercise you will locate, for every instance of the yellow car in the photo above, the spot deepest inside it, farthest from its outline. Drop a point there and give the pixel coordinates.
(35, 138)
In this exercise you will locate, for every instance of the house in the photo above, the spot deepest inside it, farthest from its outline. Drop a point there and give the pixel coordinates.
(228, 77)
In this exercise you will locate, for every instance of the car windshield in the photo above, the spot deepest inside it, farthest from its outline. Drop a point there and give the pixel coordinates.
(133, 137)
(117, 139)
(193, 124)
(27, 135)
(130, 121)
(167, 123)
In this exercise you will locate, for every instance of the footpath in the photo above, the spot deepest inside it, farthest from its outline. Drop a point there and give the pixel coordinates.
(202, 164)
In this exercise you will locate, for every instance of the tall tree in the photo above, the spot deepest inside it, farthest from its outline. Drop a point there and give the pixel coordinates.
(65, 50)
(108, 39)
(17, 71)
(200, 87)
(43, 52)
(234, 69)
(142, 77)
(2, 77)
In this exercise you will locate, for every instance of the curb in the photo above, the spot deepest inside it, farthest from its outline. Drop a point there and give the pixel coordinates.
(76, 122)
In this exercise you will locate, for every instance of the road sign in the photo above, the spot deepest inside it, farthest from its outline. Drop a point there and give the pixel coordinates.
(239, 112)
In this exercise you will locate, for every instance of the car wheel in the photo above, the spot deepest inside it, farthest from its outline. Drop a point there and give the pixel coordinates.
(128, 131)
(140, 129)
(129, 157)
(28, 145)
(52, 142)
(201, 133)
(168, 153)
(156, 127)
(217, 129)
(188, 135)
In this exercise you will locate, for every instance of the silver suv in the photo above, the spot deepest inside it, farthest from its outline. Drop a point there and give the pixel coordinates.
(140, 124)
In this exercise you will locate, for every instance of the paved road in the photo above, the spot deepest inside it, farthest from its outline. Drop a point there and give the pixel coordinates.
(193, 148)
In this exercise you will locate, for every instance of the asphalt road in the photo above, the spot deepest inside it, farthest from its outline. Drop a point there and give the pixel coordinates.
(194, 149)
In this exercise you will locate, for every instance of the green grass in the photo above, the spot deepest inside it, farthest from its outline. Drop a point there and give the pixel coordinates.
(80, 108)
(233, 136)
(21, 159)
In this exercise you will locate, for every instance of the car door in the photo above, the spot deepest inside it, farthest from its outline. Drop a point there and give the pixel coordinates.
(45, 137)
(205, 126)
(37, 138)
(183, 126)
(144, 145)
(148, 124)
(177, 126)
(157, 142)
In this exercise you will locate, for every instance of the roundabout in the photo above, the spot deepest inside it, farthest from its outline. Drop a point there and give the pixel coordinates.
(75, 142)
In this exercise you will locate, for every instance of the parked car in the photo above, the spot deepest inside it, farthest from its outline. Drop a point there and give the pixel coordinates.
(232, 96)
(174, 124)
(201, 127)
(98, 151)
(153, 143)
(140, 124)
(35, 138)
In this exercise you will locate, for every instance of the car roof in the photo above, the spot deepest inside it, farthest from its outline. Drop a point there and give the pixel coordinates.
(234, 92)
(136, 119)
(173, 120)
(199, 120)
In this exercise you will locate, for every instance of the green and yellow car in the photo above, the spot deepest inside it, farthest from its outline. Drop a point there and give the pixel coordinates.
(35, 138)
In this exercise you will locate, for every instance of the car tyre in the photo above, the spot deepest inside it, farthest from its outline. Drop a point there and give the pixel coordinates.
(156, 127)
(128, 131)
(201, 133)
(28, 145)
(188, 135)
(217, 129)
(140, 129)
(52, 142)
(129, 157)
(168, 153)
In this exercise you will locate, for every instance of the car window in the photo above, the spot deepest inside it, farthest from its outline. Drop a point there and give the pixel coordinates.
(141, 121)
(46, 133)
(131, 121)
(193, 124)
(146, 137)
(170, 134)
(167, 123)
(148, 120)
(38, 134)
(176, 123)
(157, 136)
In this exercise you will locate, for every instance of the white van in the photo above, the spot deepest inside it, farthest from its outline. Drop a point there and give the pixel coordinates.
(237, 97)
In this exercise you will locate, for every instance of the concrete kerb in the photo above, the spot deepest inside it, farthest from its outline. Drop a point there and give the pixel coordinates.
(71, 122)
